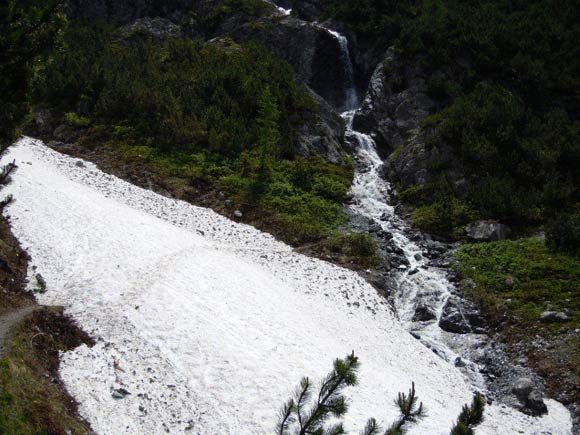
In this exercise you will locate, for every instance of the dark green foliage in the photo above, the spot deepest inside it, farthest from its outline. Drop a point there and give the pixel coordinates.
(305, 414)
(178, 96)
(470, 417)
(563, 234)
(28, 29)
(508, 94)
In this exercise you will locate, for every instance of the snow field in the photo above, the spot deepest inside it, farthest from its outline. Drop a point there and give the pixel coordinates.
(210, 324)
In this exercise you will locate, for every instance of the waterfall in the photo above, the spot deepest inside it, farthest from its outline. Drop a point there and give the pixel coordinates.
(351, 100)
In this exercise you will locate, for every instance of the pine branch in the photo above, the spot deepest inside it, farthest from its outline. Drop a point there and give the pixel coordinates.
(372, 428)
(330, 401)
(470, 416)
(410, 412)
(286, 418)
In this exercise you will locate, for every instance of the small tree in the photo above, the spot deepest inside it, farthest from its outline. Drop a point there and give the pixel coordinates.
(411, 412)
(470, 417)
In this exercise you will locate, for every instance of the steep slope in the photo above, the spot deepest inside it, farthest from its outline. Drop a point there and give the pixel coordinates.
(208, 324)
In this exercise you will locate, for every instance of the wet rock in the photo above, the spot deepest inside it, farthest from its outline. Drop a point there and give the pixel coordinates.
(487, 231)
(554, 317)
(522, 388)
(460, 316)
(424, 313)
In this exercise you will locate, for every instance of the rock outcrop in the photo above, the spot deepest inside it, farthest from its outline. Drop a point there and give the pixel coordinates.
(313, 52)
(487, 231)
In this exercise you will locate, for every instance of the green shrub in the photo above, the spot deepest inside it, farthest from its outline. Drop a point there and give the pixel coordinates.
(444, 218)
(75, 120)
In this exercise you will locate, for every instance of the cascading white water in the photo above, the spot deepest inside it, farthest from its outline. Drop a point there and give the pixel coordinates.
(351, 100)
(416, 284)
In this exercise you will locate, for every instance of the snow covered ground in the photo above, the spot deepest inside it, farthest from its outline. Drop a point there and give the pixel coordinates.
(209, 324)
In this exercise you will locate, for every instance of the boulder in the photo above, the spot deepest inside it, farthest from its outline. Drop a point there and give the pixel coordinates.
(535, 403)
(487, 231)
(461, 317)
(522, 388)
(424, 313)
(554, 317)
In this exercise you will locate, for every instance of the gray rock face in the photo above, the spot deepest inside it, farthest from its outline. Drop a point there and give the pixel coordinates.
(395, 103)
(487, 231)
(313, 52)
(554, 317)
(323, 134)
(461, 317)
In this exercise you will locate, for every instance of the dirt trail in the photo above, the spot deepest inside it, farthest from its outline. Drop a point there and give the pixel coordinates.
(9, 319)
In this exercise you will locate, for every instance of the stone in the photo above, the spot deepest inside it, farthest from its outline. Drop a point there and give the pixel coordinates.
(229, 203)
(424, 313)
(487, 231)
(80, 164)
(461, 317)
(535, 403)
(460, 362)
(238, 214)
(553, 317)
(522, 388)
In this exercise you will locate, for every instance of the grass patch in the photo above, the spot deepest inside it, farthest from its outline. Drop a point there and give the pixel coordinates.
(32, 401)
(522, 277)
(515, 282)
